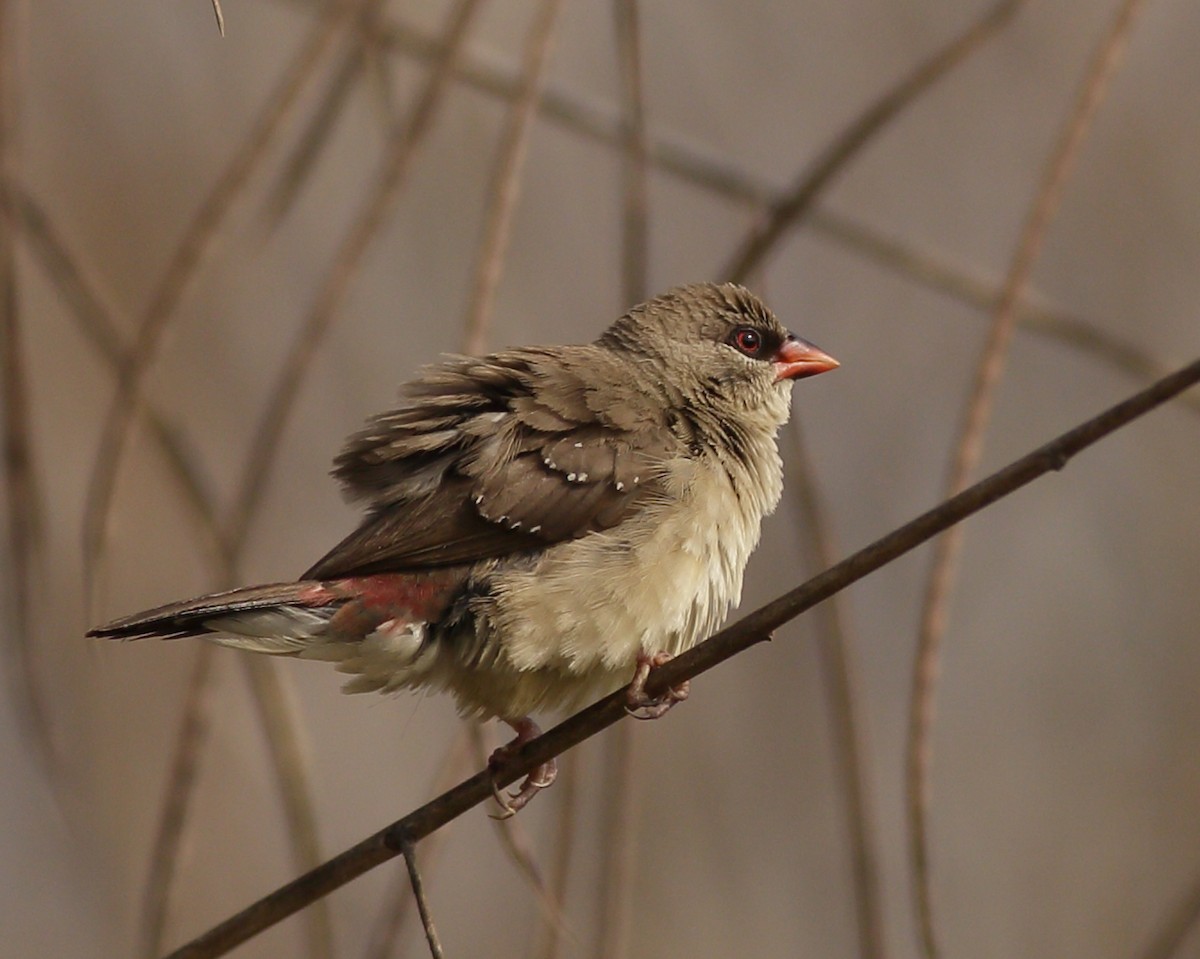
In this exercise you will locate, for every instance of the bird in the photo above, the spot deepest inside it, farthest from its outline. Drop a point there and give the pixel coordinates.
(544, 524)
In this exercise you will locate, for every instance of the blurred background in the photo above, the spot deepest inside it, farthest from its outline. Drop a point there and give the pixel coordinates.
(219, 255)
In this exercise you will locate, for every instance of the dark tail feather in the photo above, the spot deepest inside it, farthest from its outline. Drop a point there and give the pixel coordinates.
(188, 618)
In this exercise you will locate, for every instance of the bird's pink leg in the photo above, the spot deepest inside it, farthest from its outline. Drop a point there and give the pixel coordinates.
(641, 706)
(541, 777)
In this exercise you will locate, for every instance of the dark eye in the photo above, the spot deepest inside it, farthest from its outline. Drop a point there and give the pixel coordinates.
(747, 339)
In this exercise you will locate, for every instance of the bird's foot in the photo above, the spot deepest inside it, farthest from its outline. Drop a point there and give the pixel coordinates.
(541, 777)
(639, 704)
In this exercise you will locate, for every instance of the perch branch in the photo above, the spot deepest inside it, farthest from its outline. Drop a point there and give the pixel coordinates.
(746, 632)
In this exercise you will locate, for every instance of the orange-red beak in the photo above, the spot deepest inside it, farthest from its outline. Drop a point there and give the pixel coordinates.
(796, 359)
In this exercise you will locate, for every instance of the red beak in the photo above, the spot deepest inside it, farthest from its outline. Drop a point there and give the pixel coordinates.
(796, 359)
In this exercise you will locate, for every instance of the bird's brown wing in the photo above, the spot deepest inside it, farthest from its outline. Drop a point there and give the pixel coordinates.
(491, 457)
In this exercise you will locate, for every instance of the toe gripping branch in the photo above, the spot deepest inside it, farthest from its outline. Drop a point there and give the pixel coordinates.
(638, 703)
(542, 776)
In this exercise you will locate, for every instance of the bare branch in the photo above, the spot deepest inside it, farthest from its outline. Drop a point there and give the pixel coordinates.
(25, 541)
(280, 720)
(194, 726)
(375, 212)
(194, 248)
(839, 676)
(618, 836)
(216, 5)
(567, 795)
(505, 187)
(418, 888)
(515, 843)
(789, 209)
(969, 449)
(741, 635)
(390, 923)
(927, 268)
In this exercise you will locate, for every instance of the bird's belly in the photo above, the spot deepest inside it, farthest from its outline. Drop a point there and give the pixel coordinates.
(595, 605)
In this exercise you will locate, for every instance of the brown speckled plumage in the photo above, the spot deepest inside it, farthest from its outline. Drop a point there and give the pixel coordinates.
(541, 520)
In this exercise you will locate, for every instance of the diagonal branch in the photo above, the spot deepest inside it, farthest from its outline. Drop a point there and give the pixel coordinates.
(618, 829)
(741, 635)
(813, 181)
(194, 247)
(374, 215)
(508, 166)
(969, 450)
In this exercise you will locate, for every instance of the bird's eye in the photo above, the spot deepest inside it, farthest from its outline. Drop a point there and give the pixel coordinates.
(748, 340)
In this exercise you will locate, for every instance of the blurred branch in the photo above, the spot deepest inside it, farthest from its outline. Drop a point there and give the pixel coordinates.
(927, 268)
(392, 176)
(505, 186)
(567, 795)
(216, 5)
(1179, 925)
(839, 672)
(315, 135)
(620, 782)
(722, 178)
(278, 716)
(969, 450)
(190, 738)
(786, 211)
(24, 534)
(635, 225)
(741, 635)
(194, 247)
(100, 329)
(515, 842)
(80, 288)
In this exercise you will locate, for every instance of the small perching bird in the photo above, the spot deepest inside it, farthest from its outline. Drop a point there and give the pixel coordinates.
(544, 524)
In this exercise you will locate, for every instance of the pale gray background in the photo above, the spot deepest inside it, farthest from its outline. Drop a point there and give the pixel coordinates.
(1067, 764)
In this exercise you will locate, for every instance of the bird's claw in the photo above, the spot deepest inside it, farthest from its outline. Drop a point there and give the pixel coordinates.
(639, 704)
(539, 778)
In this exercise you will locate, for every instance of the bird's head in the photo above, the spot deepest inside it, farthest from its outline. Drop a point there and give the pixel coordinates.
(720, 347)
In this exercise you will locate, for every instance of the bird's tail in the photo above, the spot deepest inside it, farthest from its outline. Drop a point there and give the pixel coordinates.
(281, 618)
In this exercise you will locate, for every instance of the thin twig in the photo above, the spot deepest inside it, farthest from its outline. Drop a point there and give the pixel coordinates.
(300, 161)
(505, 185)
(185, 264)
(418, 888)
(198, 241)
(741, 635)
(216, 5)
(195, 725)
(564, 849)
(279, 718)
(834, 159)
(390, 923)
(618, 826)
(25, 540)
(635, 201)
(374, 214)
(937, 273)
(969, 449)
(722, 178)
(80, 288)
(515, 843)
(837, 648)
